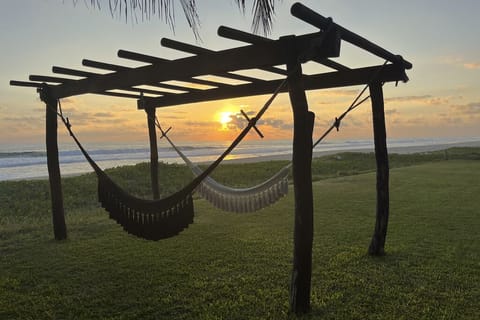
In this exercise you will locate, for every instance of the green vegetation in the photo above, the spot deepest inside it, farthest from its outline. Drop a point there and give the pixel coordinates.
(237, 266)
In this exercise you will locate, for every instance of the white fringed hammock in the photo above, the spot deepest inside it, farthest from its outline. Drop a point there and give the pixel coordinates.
(237, 199)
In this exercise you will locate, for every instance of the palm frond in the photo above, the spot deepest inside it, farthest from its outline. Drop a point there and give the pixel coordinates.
(263, 12)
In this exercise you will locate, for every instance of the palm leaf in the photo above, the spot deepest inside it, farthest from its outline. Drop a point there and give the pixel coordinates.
(263, 12)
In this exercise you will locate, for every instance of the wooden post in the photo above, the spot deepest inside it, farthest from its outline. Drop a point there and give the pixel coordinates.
(152, 133)
(56, 194)
(377, 244)
(302, 180)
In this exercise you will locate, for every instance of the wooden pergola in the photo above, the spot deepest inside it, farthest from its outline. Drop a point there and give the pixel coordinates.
(259, 53)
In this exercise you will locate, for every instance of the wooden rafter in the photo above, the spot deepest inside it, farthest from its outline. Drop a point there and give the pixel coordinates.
(314, 82)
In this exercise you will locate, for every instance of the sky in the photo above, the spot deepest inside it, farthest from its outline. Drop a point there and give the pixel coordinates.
(440, 38)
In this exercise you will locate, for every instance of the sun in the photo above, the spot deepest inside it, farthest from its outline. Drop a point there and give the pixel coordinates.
(225, 117)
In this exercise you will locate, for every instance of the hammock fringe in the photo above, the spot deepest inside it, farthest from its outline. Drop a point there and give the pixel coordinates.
(239, 200)
(248, 199)
(148, 219)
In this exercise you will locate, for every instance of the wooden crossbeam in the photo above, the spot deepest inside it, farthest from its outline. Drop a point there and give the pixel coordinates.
(243, 36)
(86, 74)
(275, 70)
(40, 78)
(118, 68)
(334, 79)
(28, 84)
(308, 15)
(248, 57)
(188, 48)
(74, 72)
(41, 84)
(130, 55)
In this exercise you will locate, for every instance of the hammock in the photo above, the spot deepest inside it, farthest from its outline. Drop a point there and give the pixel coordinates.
(237, 199)
(264, 194)
(153, 219)
(148, 219)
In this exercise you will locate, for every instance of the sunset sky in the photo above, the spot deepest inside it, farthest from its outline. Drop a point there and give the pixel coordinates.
(441, 38)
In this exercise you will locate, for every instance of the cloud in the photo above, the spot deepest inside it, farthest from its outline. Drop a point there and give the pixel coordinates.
(276, 123)
(340, 92)
(472, 108)
(439, 101)
(461, 62)
(239, 122)
(391, 112)
(172, 117)
(200, 124)
(416, 121)
(452, 120)
(69, 100)
(103, 114)
(22, 125)
(22, 119)
(471, 65)
(408, 98)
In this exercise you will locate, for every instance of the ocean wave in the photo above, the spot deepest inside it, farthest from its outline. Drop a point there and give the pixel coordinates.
(23, 154)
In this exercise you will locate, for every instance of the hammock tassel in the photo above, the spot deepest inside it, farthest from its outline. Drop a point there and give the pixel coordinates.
(145, 218)
(247, 199)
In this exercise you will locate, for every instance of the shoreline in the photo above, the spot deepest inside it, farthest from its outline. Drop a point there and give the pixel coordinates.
(316, 154)
(392, 150)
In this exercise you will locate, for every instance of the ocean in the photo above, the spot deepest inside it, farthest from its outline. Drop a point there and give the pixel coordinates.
(29, 161)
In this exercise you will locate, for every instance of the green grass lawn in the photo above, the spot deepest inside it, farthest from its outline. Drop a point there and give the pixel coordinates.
(237, 266)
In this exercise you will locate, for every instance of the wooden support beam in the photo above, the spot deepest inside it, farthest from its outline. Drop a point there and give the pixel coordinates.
(39, 78)
(56, 194)
(185, 47)
(74, 72)
(58, 80)
(308, 15)
(119, 69)
(118, 94)
(302, 184)
(239, 35)
(26, 84)
(151, 59)
(377, 245)
(266, 54)
(152, 133)
(85, 74)
(226, 33)
(135, 56)
(40, 84)
(321, 81)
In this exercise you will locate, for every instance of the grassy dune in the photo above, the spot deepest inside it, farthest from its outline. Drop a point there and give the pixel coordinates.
(234, 266)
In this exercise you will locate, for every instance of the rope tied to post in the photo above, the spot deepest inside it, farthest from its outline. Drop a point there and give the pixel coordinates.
(355, 103)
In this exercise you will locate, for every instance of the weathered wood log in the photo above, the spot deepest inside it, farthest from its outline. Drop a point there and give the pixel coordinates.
(377, 245)
(309, 16)
(303, 194)
(56, 194)
(312, 82)
(239, 35)
(152, 134)
(185, 47)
